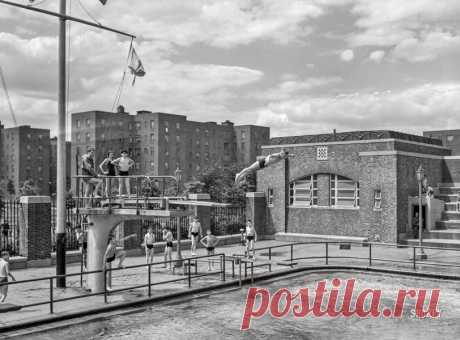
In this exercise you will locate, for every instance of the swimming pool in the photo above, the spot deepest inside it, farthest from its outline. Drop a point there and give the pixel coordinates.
(219, 316)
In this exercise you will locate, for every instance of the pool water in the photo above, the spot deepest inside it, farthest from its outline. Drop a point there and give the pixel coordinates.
(219, 316)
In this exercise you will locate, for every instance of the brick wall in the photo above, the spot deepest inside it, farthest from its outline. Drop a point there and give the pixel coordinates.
(451, 170)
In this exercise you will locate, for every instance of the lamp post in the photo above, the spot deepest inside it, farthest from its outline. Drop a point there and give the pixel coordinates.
(420, 176)
(179, 261)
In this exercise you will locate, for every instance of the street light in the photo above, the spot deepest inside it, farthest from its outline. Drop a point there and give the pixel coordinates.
(420, 177)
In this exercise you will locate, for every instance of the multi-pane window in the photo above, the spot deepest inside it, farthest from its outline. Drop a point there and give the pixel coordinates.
(344, 192)
(377, 199)
(321, 153)
(270, 196)
(303, 192)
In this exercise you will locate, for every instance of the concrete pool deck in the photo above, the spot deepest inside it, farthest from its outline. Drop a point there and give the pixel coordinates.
(39, 291)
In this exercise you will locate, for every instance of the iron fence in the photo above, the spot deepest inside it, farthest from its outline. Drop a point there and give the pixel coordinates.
(228, 220)
(9, 226)
(157, 223)
(73, 219)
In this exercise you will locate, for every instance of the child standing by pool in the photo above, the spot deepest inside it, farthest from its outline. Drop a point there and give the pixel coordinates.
(168, 237)
(194, 232)
(251, 239)
(112, 252)
(210, 242)
(149, 240)
(4, 273)
(124, 164)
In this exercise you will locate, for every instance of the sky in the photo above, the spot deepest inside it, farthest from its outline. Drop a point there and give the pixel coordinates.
(297, 66)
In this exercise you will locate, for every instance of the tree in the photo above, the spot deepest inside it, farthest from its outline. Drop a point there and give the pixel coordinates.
(28, 188)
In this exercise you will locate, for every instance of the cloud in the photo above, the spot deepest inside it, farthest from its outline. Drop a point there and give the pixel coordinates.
(415, 109)
(377, 56)
(418, 30)
(292, 86)
(428, 47)
(347, 55)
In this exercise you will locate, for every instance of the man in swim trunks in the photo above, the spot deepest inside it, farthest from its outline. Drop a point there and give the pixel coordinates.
(251, 239)
(210, 242)
(112, 252)
(124, 164)
(261, 163)
(149, 240)
(108, 169)
(194, 232)
(168, 238)
(92, 182)
(82, 239)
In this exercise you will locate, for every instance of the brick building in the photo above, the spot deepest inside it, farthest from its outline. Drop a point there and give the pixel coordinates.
(160, 143)
(25, 155)
(449, 138)
(357, 184)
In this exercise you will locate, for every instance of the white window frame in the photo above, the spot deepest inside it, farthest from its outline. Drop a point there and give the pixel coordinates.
(270, 197)
(308, 184)
(335, 188)
(377, 199)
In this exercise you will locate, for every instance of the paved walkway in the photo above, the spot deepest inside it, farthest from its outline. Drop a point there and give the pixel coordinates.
(28, 293)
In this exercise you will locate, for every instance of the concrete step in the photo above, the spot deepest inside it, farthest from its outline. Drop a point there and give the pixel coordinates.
(447, 197)
(451, 215)
(439, 243)
(451, 234)
(451, 206)
(449, 190)
(448, 224)
(448, 185)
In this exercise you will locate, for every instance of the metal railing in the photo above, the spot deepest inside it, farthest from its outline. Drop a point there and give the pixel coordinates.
(187, 277)
(246, 267)
(73, 220)
(140, 191)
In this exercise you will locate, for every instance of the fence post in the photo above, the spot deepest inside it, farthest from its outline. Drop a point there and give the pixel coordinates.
(327, 253)
(240, 273)
(81, 268)
(223, 267)
(270, 259)
(292, 252)
(150, 279)
(105, 285)
(252, 271)
(370, 254)
(414, 259)
(51, 297)
(189, 277)
(233, 268)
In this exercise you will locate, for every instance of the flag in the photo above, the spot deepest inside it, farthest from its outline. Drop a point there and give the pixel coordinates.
(135, 65)
(103, 2)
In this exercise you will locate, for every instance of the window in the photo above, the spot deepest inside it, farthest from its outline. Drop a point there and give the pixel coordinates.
(206, 132)
(166, 129)
(102, 122)
(146, 151)
(130, 126)
(270, 197)
(243, 135)
(377, 199)
(138, 125)
(152, 124)
(137, 165)
(344, 192)
(197, 130)
(166, 138)
(198, 142)
(304, 192)
(177, 126)
(243, 145)
(321, 153)
(78, 123)
(29, 136)
(152, 165)
(78, 137)
(88, 137)
(40, 137)
(103, 135)
(88, 122)
(166, 165)
(152, 137)
(450, 138)
(177, 138)
(28, 147)
(39, 169)
(120, 123)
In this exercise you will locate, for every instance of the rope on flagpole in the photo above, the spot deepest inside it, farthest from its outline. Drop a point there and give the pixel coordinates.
(120, 87)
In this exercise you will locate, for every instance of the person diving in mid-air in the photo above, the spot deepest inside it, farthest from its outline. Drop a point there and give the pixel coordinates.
(262, 162)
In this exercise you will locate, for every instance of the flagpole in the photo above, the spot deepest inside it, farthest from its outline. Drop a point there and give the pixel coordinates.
(61, 153)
